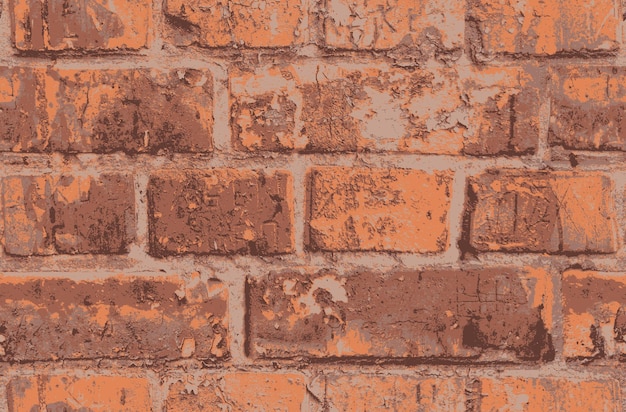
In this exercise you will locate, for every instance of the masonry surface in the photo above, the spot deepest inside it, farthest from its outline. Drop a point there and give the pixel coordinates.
(312, 205)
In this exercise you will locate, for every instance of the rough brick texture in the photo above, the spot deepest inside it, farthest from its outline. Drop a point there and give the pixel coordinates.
(312, 205)
(552, 212)
(429, 314)
(119, 317)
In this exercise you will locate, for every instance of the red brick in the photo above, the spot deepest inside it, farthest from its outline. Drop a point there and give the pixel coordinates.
(76, 25)
(378, 209)
(105, 111)
(361, 393)
(220, 211)
(348, 108)
(547, 394)
(70, 393)
(588, 108)
(240, 391)
(216, 23)
(444, 314)
(45, 215)
(541, 211)
(594, 305)
(380, 24)
(118, 317)
(542, 27)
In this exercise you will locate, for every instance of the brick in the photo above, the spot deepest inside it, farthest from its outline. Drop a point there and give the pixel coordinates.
(541, 211)
(587, 108)
(547, 394)
(354, 108)
(594, 305)
(240, 391)
(46, 215)
(122, 317)
(436, 314)
(220, 211)
(381, 24)
(542, 27)
(399, 210)
(83, 26)
(70, 393)
(248, 23)
(361, 393)
(104, 111)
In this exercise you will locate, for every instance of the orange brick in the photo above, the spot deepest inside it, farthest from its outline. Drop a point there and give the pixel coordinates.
(118, 317)
(381, 24)
(66, 214)
(76, 25)
(378, 209)
(548, 394)
(437, 314)
(68, 393)
(362, 393)
(240, 391)
(220, 211)
(543, 27)
(587, 110)
(353, 108)
(217, 23)
(541, 211)
(594, 309)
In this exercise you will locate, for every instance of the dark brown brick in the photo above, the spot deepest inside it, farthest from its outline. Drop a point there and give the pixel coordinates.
(119, 317)
(220, 211)
(67, 214)
(444, 314)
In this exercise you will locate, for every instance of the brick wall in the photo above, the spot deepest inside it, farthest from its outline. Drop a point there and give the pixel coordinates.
(316, 205)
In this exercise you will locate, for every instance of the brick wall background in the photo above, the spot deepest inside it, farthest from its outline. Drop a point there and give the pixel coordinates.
(316, 205)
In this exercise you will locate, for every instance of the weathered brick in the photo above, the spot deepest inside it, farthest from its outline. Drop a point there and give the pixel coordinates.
(251, 23)
(45, 215)
(446, 314)
(76, 25)
(104, 111)
(240, 391)
(119, 317)
(546, 394)
(361, 393)
(220, 211)
(70, 393)
(382, 24)
(330, 108)
(542, 27)
(588, 108)
(378, 209)
(541, 211)
(594, 309)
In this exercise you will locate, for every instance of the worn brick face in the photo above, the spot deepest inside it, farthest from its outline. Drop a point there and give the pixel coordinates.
(361, 393)
(70, 393)
(378, 209)
(383, 24)
(216, 23)
(327, 108)
(240, 391)
(542, 27)
(547, 394)
(66, 214)
(553, 212)
(104, 111)
(119, 318)
(595, 318)
(81, 25)
(588, 108)
(220, 211)
(413, 314)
